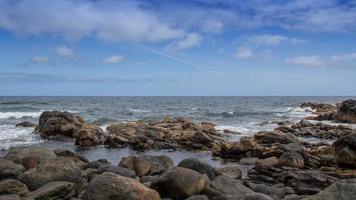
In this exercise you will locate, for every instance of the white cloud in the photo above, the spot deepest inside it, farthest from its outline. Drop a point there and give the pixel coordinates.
(344, 57)
(65, 51)
(115, 59)
(191, 40)
(107, 20)
(311, 61)
(273, 40)
(243, 53)
(40, 59)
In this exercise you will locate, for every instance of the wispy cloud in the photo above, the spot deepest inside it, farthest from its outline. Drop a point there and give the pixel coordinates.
(344, 57)
(189, 41)
(40, 59)
(64, 51)
(243, 52)
(115, 59)
(310, 61)
(273, 40)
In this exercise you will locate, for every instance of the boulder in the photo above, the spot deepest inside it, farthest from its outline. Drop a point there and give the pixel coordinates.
(10, 197)
(233, 171)
(70, 154)
(9, 169)
(180, 183)
(224, 187)
(341, 190)
(52, 191)
(89, 135)
(203, 168)
(53, 123)
(110, 186)
(29, 157)
(198, 197)
(117, 170)
(344, 150)
(291, 160)
(271, 137)
(13, 186)
(57, 169)
(147, 164)
(26, 124)
(96, 164)
(346, 112)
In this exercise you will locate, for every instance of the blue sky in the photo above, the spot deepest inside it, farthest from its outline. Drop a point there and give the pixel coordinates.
(195, 47)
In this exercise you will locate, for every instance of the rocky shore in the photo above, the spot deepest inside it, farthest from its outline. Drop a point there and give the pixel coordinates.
(278, 164)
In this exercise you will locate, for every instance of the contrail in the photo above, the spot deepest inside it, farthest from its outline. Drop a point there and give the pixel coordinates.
(170, 57)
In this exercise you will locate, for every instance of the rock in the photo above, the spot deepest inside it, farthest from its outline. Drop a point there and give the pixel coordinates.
(224, 187)
(96, 164)
(57, 169)
(346, 112)
(233, 171)
(203, 168)
(52, 191)
(344, 150)
(117, 170)
(147, 164)
(198, 197)
(257, 196)
(10, 197)
(29, 157)
(70, 154)
(291, 160)
(271, 137)
(180, 183)
(319, 107)
(271, 191)
(12, 186)
(9, 169)
(26, 124)
(52, 123)
(110, 186)
(89, 135)
(341, 190)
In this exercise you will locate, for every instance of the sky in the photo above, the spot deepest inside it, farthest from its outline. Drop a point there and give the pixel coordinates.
(177, 48)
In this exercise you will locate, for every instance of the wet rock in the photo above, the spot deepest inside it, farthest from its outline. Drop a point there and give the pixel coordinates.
(195, 164)
(96, 164)
(89, 135)
(346, 112)
(111, 186)
(10, 197)
(70, 154)
(26, 124)
(198, 197)
(146, 164)
(233, 171)
(12, 186)
(117, 170)
(224, 187)
(52, 123)
(291, 160)
(52, 191)
(271, 137)
(9, 169)
(342, 190)
(344, 150)
(319, 107)
(29, 157)
(180, 183)
(57, 169)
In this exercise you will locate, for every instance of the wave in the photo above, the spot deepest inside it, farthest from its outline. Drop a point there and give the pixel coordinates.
(23, 102)
(18, 115)
(16, 136)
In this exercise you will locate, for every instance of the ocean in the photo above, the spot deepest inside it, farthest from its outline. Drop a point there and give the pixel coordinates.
(246, 115)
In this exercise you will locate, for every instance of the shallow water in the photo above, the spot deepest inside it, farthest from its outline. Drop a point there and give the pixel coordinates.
(246, 115)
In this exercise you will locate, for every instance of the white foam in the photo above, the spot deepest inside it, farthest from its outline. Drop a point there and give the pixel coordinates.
(17, 115)
(15, 136)
(139, 111)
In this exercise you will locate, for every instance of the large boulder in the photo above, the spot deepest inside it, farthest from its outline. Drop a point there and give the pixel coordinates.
(89, 135)
(110, 186)
(344, 150)
(57, 169)
(13, 186)
(53, 123)
(346, 112)
(147, 164)
(9, 169)
(342, 190)
(203, 168)
(52, 191)
(29, 157)
(180, 183)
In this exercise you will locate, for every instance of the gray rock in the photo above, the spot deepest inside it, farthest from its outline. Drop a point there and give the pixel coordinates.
(342, 190)
(52, 191)
(13, 186)
(203, 168)
(9, 169)
(117, 170)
